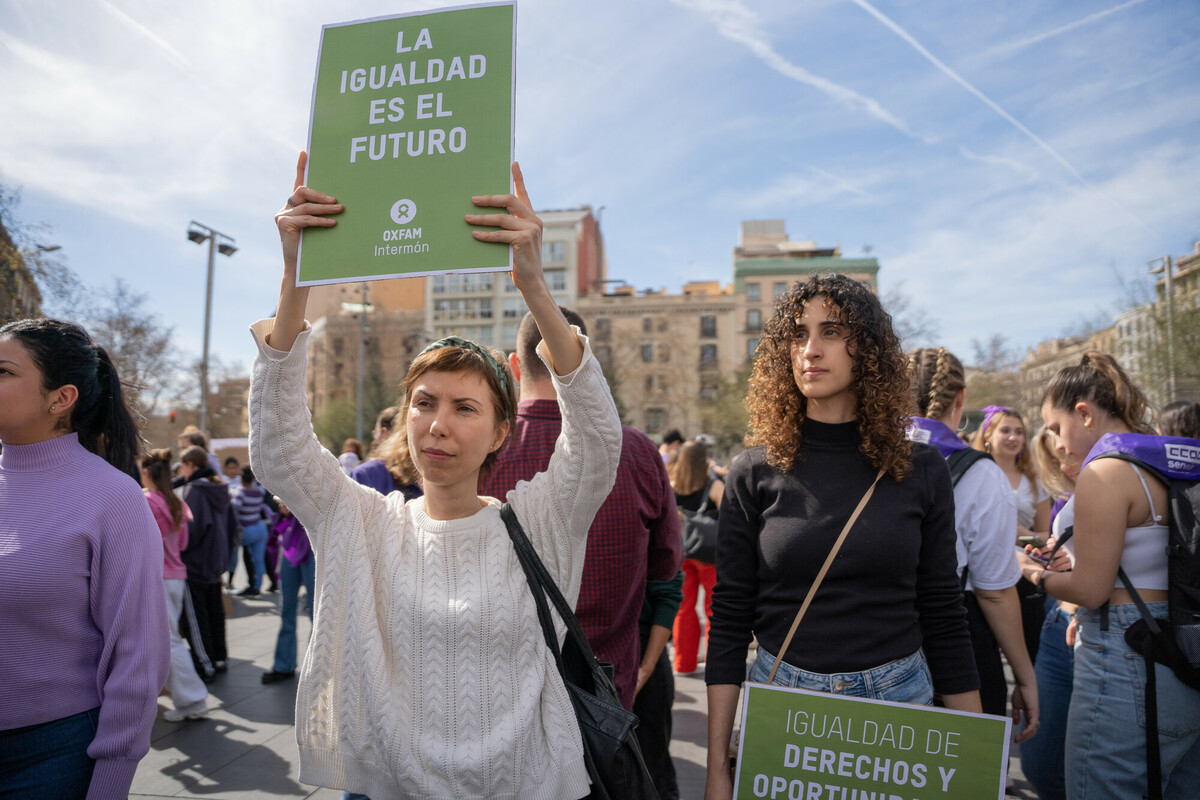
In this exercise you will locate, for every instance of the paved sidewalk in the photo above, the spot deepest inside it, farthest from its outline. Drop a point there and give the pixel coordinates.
(246, 746)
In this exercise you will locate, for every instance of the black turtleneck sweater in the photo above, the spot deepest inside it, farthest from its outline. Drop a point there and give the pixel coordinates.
(892, 589)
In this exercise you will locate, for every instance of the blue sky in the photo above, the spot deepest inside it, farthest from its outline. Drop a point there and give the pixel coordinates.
(1004, 161)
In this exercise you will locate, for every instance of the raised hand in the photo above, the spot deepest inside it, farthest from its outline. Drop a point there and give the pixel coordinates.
(303, 208)
(520, 227)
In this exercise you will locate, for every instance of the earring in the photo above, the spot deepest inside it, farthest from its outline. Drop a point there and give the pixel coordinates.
(987, 446)
(52, 409)
(1088, 425)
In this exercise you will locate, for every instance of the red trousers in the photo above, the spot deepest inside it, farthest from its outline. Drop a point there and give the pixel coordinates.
(687, 627)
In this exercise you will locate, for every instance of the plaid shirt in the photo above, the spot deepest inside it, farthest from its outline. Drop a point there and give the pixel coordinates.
(635, 534)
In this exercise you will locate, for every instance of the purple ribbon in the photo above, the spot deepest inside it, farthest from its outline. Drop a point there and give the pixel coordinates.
(1176, 457)
(989, 412)
(938, 434)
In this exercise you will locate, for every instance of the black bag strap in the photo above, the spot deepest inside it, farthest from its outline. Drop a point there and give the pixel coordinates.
(704, 503)
(542, 585)
(962, 460)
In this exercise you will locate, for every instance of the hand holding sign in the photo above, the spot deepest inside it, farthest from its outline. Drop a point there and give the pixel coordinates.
(520, 228)
(304, 207)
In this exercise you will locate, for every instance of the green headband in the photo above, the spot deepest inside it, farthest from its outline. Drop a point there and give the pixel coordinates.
(466, 344)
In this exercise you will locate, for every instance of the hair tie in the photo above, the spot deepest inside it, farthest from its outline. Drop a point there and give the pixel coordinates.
(466, 344)
(991, 411)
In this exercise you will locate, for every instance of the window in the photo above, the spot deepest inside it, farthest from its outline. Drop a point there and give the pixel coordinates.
(647, 353)
(708, 356)
(656, 420)
(751, 346)
(554, 252)
(779, 289)
(664, 353)
(603, 328)
(603, 355)
(663, 324)
(556, 279)
(439, 284)
(649, 384)
(647, 325)
(508, 332)
(339, 346)
(708, 387)
(514, 308)
(708, 327)
(754, 320)
(752, 292)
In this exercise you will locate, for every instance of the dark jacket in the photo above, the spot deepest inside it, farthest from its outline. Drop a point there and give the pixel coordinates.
(212, 529)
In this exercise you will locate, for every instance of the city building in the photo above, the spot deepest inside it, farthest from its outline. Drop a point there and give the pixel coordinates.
(668, 356)
(392, 339)
(486, 307)
(766, 264)
(1047, 358)
(665, 354)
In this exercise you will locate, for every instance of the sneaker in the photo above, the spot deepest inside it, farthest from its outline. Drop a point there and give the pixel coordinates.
(247, 592)
(194, 711)
(276, 677)
(221, 666)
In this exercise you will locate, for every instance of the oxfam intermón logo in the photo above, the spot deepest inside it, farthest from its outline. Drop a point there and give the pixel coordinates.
(403, 211)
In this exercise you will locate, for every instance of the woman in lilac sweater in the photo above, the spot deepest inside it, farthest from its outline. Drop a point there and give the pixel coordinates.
(82, 619)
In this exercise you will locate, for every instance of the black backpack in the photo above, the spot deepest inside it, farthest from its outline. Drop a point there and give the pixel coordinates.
(962, 460)
(1174, 641)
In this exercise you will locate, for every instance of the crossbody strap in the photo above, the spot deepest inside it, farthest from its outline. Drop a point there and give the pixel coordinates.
(540, 581)
(812, 590)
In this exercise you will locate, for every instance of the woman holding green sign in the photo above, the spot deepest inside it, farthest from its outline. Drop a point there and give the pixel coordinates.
(427, 674)
(830, 402)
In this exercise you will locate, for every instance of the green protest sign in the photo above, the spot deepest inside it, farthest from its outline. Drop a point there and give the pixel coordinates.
(411, 116)
(800, 745)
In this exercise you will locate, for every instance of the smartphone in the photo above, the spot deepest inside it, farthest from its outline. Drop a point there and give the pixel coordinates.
(1036, 541)
(1039, 559)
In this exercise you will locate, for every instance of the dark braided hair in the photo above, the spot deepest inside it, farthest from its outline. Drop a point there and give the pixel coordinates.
(938, 377)
(65, 355)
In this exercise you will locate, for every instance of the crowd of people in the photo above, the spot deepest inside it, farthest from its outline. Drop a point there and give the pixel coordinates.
(428, 674)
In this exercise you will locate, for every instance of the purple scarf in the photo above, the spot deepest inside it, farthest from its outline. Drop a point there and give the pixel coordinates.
(1177, 457)
(293, 540)
(938, 434)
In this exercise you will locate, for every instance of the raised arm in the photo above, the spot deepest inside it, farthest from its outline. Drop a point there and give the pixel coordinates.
(304, 208)
(522, 229)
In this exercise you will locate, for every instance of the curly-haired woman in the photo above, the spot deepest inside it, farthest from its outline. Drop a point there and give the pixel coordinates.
(829, 405)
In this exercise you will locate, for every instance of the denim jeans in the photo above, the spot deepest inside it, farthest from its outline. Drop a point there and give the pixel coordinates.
(290, 578)
(1042, 756)
(48, 761)
(905, 680)
(1106, 740)
(254, 537)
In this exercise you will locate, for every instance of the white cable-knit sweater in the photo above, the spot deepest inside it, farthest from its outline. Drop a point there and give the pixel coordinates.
(427, 675)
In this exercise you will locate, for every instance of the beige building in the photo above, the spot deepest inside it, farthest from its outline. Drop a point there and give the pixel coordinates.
(392, 339)
(486, 307)
(1047, 358)
(668, 356)
(665, 354)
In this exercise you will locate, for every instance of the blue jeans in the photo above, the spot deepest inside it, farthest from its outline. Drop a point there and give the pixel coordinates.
(255, 537)
(48, 761)
(1106, 740)
(290, 578)
(905, 680)
(1042, 756)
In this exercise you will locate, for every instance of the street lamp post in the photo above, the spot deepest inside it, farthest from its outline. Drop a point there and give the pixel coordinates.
(1165, 265)
(199, 234)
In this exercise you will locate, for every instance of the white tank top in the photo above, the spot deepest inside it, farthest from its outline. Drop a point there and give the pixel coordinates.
(1144, 558)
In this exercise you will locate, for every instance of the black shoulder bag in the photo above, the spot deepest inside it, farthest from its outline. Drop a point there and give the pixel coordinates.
(699, 531)
(610, 748)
